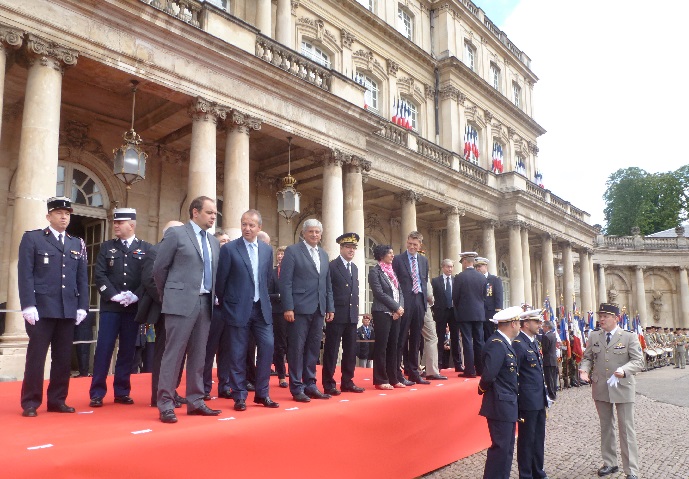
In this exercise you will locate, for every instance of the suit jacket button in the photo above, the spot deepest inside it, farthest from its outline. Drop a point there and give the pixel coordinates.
(63, 285)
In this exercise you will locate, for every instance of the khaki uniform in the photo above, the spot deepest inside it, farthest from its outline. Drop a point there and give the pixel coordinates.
(680, 351)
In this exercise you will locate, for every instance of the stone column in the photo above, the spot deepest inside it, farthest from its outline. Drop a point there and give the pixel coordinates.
(568, 278)
(10, 39)
(333, 200)
(684, 297)
(283, 24)
(489, 245)
(526, 264)
(549, 269)
(202, 163)
(454, 242)
(408, 200)
(236, 170)
(353, 183)
(602, 286)
(516, 265)
(36, 174)
(585, 284)
(538, 283)
(264, 11)
(640, 294)
(593, 282)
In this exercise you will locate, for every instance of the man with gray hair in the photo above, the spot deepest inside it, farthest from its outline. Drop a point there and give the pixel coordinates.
(444, 315)
(549, 347)
(307, 299)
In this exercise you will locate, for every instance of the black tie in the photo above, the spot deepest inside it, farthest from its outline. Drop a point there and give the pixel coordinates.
(59, 238)
(207, 275)
(448, 292)
(607, 341)
(349, 269)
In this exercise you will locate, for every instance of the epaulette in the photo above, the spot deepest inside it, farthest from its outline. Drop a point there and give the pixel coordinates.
(597, 329)
(498, 340)
(626, 331)
(516, 341)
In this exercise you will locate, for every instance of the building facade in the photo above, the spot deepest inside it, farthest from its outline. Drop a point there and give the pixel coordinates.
(404, 115)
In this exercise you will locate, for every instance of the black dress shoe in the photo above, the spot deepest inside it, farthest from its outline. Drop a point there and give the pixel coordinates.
(60, 408)
(29, 412)
(168, 416)
(436, 377)
(466, 375)
(333, 391)
(266, 401)
(225, 395)
(316, 394)
(606, 470)
(250, 387)
(631, 476)
(406, 382)
(96, 402)
(352, 389)
(180, 399)
(203, 410)
(301, 397)
(421, 381)
(124, 400)
(283, 383)
(239, 405)
(459, 370)
(206, 397)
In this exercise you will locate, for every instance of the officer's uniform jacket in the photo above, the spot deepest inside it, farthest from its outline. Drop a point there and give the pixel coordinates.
(118, 269)
(493, 298)
(52, 276)
(532, 389)
(345, 291)
(498, 383)
(601, 360)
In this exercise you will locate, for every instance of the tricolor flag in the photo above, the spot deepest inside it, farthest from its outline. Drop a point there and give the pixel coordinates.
(395, 106)
(497, 158)
(538, 179)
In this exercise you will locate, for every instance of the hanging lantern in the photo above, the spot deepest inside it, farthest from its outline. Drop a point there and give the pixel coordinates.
(288, 197)
(130, 160)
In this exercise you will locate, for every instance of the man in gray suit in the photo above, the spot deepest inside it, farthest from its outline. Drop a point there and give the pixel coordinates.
(612, 357)
(184, 273)
(307, 299)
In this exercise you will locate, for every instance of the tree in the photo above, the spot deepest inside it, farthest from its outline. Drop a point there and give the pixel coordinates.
(653, 202)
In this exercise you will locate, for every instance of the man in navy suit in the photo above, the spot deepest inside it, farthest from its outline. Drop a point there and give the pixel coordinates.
(344, 277)
(444, 314)
(242, 289)
(54, 295)
(498, 385)
(411, 269)
(532, 397)
(307, 298)
(468, 293)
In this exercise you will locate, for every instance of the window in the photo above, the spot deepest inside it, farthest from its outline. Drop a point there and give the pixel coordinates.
(314, 53)
(413, 124)
(470, 56)
(223, 4)
(83, 189)
(367, 3)
(371, 94)
(498, 165)
(520, 165)
(495, 76)
(471, 148)
(516, 95)
(406, 24)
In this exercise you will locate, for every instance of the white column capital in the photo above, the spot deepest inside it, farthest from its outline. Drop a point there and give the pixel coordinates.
(358, 164)
(10, 38)
(454, 211)
(201, 109)
(242, 123)
(48, 53)
(408, 196)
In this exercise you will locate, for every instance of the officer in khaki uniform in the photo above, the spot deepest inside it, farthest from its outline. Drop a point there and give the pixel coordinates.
(611, 358)
(680, 342)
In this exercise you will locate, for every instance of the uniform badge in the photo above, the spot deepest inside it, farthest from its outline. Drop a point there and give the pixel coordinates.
(102, 288)
(113, 250)
(489, 289)
(45, 259)
(511, 370)
(510, 355)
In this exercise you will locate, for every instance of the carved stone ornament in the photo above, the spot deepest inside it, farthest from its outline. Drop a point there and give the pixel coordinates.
(657, 304)
(612, 293)
(359, 164)
(294, 5)
(454, 210)
(48, 53)
(347, 38)
(410, 196)
(429, 91)
(204, 110)
(264, 181)
(487, 115)
(243, 123)
(449, 92)
(679, 231)
(393, 67)
(10, 37)
(636, 231)
(77, 139)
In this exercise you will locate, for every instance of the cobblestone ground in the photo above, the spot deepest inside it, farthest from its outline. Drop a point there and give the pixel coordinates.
(572, 448)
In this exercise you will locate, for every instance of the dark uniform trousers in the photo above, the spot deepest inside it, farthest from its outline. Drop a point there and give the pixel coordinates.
(280, 344)
(333, 333)
(472, 345)
(501, 450)
(530, 453)
(218, 344)
(112, 325)
(551, 379)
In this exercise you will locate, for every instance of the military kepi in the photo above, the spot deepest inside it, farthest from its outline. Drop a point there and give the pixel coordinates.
(124, 214)
(507, 315)
(468, 254)
(59, 203)
(607, 308)
(479, 261)
(348, 238)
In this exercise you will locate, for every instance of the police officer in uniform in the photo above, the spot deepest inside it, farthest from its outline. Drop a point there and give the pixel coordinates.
(498, 385)
(344, 277)
(54, 296)
(118, 279)
(532, 398)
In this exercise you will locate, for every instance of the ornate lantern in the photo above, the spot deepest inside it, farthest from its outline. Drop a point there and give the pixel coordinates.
(288, 196)
(130, 160)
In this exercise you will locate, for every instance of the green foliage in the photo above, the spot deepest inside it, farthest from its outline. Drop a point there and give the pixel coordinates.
(653, 202)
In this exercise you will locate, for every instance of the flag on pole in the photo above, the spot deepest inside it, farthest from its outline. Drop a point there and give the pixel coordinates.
(394, 110)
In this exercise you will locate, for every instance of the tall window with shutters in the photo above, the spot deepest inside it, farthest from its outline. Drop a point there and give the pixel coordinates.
(309, 50)
(369, 4)
(470, 56)
(405, 23)
(371, 93)
(495, 76)
(517, 94)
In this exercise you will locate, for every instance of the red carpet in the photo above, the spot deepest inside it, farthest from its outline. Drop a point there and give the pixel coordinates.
(399, 434)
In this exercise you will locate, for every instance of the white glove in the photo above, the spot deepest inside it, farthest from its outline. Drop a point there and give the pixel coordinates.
(81, 315)
(612, 382)
(118, 298)
(30, 315)
(128, 298)
(132, 298)
(550, 401)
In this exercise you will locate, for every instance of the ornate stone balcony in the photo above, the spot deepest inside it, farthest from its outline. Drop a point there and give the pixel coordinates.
(188, 11)
(638, 242)
(293, 62)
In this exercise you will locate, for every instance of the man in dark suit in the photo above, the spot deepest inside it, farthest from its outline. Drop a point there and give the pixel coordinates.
(307, 298)
(344, 277)
(444, 314)
(498, 385)
(54, 296)
(118, 278)
(184, 273)
(549, 347)
(411, 269)
(242, 288)
(365, 333)
(493, 300)
(533, 398)
(468, 293)
(279, 323)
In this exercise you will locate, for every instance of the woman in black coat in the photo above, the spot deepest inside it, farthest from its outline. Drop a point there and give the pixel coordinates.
(387, 308)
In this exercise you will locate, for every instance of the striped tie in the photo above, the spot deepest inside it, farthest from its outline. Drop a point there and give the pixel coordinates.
(415, 276)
